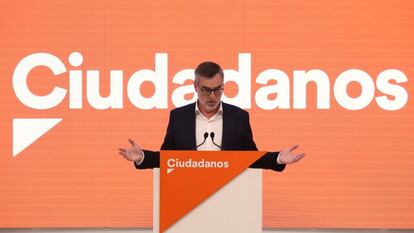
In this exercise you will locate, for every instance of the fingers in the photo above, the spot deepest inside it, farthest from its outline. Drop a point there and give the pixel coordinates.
(129, 154)
(298, 157)
(132, 142)
(123, 154)
(293, 147)
(122, 151)
(134, 145)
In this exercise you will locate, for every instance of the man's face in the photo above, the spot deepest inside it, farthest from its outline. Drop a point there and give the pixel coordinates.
(209, 91)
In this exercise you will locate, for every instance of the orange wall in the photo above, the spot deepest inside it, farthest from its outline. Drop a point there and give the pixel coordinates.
(359, 166)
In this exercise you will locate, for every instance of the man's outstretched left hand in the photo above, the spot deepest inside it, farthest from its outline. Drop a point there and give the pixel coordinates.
(288, 156)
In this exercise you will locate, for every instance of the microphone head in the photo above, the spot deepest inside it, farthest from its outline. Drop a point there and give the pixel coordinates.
(205, 135)
(212, 134)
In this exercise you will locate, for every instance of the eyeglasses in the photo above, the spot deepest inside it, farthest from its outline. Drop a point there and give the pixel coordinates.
(207, 91)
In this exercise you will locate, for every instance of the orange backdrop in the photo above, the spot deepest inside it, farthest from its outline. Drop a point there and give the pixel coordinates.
(359, 167)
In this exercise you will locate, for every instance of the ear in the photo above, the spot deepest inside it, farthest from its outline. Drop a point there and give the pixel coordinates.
(195, 86)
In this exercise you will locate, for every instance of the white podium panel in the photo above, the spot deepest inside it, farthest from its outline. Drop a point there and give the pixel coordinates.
(236, 207)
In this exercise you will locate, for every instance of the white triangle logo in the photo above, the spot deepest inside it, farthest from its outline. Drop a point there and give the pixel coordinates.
(169, 170)
(28, 130)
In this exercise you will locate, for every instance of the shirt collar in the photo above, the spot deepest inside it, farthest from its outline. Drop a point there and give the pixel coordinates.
(220, 110)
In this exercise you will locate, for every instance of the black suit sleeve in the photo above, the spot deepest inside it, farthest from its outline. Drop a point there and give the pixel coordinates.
(152, 158)
(267, 161)
(169, 143)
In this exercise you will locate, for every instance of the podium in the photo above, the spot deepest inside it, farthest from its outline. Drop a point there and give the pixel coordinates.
(194, 191)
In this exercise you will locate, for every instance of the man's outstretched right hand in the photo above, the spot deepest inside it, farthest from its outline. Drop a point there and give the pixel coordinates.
(134, 153)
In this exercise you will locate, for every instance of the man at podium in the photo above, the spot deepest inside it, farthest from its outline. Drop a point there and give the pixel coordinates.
(209, 124)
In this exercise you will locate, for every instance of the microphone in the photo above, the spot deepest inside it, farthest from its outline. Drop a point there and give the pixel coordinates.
(212, 139)
(205, 138)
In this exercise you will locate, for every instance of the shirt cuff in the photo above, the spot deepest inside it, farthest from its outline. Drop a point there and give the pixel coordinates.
(278, 160)
(138, 163)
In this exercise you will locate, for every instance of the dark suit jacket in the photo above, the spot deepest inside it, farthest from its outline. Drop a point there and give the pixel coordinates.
(237, 135)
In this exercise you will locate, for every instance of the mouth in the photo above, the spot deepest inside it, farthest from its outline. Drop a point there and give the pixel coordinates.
(211, 103)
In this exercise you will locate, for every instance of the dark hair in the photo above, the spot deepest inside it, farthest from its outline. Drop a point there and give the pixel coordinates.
(208, 69)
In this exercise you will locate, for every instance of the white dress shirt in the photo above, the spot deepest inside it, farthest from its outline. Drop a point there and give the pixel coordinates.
(203, 125)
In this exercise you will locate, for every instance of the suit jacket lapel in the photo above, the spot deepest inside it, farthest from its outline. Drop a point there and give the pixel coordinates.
(191, 129)
(226, 127)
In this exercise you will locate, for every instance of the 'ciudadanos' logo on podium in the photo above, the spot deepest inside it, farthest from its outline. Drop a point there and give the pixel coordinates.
(175, 163)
